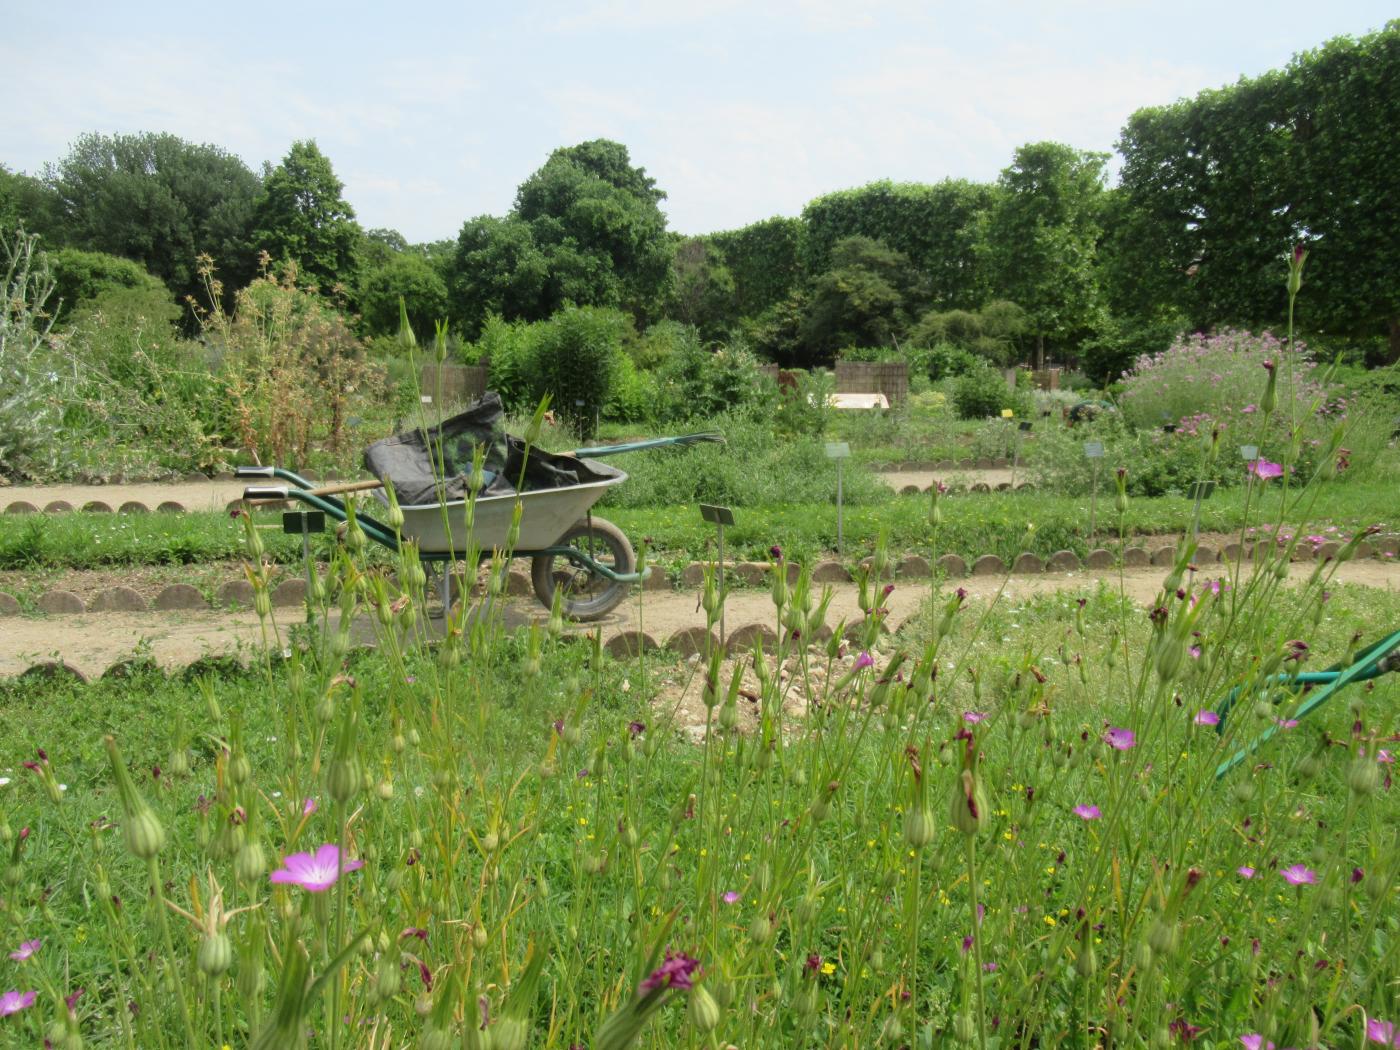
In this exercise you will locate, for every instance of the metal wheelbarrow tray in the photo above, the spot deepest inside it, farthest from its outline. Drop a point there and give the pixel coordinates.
(589, 558)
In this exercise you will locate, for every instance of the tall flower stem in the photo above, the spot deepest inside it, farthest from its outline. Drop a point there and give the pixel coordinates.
(334, 1025)
(976, 943)
(157, 890)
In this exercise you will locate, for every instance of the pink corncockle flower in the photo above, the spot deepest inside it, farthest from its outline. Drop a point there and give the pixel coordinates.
(1120, 739)
(1206, 718)
(12, 1002)
(732, 897)
(1244, 871)
(1286, 723)
(1383, 1032)
(308, 807)
(315, 872)
(864, 660)
(1087, 812)
(973, 717)
(1255, 1041)
(674, 972)
(1299, 875)
(26, 949)
(1384, 757)
(1264, 470)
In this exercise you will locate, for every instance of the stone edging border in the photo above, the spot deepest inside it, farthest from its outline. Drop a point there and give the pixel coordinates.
(292, 591)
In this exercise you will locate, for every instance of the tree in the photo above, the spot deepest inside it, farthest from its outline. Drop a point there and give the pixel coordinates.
(302, 217)
(702, 289)
(862, 300)
(25, 201)
(586, 229)
(159, 201)
(412, 278)
(1040, 239)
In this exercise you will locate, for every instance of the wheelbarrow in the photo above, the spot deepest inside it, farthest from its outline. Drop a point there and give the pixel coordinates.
(569, 548)
(1371, 662)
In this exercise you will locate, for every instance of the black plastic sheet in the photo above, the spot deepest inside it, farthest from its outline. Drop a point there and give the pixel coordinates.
(407, 460)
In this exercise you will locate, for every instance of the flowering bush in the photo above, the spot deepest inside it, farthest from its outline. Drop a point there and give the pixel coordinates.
(1221, 378)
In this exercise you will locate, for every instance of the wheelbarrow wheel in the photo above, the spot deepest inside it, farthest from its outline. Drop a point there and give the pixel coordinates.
(588, 595)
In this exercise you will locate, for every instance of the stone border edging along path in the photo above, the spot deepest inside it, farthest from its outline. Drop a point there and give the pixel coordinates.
(114, 622)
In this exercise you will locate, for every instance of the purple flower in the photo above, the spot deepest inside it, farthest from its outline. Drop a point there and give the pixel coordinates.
(26, 949)
(1286, 723)
(1120, 739)
(973, 717)
(12, 1002)
(1244, 871)
(1087, 812)
(1299, 875)
(1255, 1041)
(1207, 718)
(316, 872)
(1377, 1031)
(308, 807)
(636, 729)
(732, 897)
(775, 552)
(967, 944)
(674, 972)
(1264, 470)
(864, 660)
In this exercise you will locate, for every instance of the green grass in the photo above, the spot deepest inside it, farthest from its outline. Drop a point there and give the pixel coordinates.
(598, 850)
(974, 524)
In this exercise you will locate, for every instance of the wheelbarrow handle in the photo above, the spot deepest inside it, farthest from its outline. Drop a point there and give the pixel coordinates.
(254, 472)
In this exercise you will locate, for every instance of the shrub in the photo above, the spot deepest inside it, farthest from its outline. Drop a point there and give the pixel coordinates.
(81, 277)
(982, 392)
(576, 357)
(1220, 375)
(29, 384)
(694, 382)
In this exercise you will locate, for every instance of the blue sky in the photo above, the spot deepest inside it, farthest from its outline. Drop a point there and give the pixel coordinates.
(433, 113)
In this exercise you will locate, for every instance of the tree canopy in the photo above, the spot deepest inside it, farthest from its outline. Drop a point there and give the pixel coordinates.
(301, 217)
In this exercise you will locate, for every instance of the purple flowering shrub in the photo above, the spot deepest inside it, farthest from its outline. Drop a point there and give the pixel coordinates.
(1218, 379)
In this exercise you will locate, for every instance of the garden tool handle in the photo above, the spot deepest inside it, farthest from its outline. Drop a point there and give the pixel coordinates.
(254, 472)
(349, 486)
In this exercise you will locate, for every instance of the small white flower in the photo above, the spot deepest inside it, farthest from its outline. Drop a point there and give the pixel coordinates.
(277, 794)
(418, 791)
(626, 685)
(4, 781)
(62, 787)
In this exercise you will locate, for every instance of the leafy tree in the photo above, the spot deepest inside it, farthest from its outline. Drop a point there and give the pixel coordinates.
(991, 333)
(379, 246)
(81, 277)
(935, 226)
(765, 259)
(576, 357)
(25, 201)
(1040, 239)
(862, 300)
(702, 290)
(302, 217)
(586, 229)
(158, 200)
(406, 276)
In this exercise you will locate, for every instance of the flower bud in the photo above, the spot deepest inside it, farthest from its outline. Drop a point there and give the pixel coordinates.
(964, 1028)
(919, 827)
(215, 954)
(1363, 776)
(969, 805)
(703, 1011)
(251, 862)
(1164, 937)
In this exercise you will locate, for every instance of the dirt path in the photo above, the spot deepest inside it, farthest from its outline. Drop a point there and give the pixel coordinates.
(92, 642)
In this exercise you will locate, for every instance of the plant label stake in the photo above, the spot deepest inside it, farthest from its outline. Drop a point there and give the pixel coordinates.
(838, 450)
(1199, 490)
(303, 524)
(1093, 451)
(1022, 429)
(719, 517)
(1248, 453)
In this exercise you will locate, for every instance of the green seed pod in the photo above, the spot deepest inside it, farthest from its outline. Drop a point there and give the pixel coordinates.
(1309, 766)
(964, 1029)
(1164, 937)
(262, 602)
(479, 936)
(344, 779)
(239, 768)
(178, 765)
(968, 809)
(144, 835)
(387, 979)
(703, 1010)
(215, 954)
(1087, 963)
(434, 1038)
(760, 929)
(509, 1033)
(385, 790)
(919, 827)
(251, 862)
(1364, 776)
(1243, 790)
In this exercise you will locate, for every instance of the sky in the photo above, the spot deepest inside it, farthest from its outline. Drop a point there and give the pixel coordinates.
(433, 113)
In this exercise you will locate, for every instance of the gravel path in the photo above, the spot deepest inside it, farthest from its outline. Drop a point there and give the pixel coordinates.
(92, 642)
